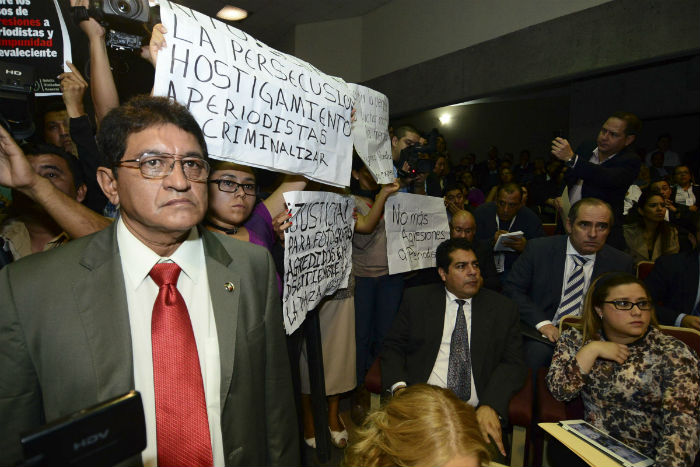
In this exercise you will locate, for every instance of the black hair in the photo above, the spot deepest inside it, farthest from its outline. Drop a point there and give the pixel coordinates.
(138, 114)
(35, 149)
(445, 249)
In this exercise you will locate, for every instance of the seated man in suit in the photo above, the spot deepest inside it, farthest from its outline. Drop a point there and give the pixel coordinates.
(551, 277)
(674, 284)
(188, 318)
(458, 336)
(507, 214)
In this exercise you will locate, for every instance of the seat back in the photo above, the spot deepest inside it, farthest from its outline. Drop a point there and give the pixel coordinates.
(690, 336)
(644, 268)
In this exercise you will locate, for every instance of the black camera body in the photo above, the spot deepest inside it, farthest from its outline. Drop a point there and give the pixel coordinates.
(17, 99)
(124, 20)
(411, 155)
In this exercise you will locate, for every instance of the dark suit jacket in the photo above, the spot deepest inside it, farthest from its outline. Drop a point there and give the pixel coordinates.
(608, 181)
(526, 220)
(537, 277)
(674, 283)
(66, 344)
(411, 347)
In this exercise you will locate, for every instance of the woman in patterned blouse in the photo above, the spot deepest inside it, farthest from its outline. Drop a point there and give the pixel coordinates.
(638, 384)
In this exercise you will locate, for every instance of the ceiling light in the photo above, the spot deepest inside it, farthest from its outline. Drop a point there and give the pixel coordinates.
(232, 13)
(445, 119)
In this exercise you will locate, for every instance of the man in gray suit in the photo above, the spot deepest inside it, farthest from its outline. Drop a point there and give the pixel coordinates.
(550, 279)
(75, 327)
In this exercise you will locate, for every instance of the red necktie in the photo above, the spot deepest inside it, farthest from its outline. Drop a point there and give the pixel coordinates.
(181, 409)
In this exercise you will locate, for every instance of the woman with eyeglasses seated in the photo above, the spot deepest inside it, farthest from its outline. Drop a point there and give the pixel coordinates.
(637, 383)
(421, 425)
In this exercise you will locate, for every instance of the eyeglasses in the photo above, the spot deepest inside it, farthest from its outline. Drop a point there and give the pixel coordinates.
(229, 186)
(625, 305)
(161, 164)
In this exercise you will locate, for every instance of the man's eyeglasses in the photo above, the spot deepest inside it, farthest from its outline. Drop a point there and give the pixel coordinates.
(161, 164)
(229, 186)
(626, 305)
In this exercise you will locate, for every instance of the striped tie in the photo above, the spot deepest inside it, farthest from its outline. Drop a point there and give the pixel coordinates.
(573, 294)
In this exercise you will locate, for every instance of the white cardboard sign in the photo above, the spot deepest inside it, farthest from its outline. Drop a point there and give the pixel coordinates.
(256, 106)
(370, 132)
(317, 251)
(415, 226)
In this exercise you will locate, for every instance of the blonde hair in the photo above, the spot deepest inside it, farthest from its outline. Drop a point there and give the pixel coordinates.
(598, 293)
(422, 425)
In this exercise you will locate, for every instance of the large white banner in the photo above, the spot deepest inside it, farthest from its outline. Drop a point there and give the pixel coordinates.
(370, 132)
(415, 226)
(256, 105)
(317, 251)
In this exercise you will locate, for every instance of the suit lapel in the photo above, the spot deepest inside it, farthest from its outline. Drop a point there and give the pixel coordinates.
(101, 298)
(225, 304)
(558, 255)
(479, 341)
(691, 278)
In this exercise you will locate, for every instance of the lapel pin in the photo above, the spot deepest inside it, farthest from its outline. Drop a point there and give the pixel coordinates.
(229, 286)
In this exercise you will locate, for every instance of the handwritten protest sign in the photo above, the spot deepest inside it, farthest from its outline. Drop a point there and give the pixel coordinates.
(317, 251)
(415, 226)
(370, 132)
(256, 105)
(32, 32)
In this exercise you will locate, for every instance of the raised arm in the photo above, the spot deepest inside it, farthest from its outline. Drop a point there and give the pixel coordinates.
(102, 89)
(275, 202)
(16, 172)
(367, 224)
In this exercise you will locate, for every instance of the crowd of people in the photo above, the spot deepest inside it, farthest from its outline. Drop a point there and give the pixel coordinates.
(131, 260)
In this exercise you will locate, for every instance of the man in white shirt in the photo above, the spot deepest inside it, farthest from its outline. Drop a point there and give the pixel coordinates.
(460, 336)
(94, 319)
(550, 279)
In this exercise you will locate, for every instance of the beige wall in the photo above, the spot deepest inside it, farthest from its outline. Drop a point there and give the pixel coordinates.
(406, 32)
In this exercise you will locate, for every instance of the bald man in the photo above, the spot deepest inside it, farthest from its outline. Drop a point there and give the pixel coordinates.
(463, 225)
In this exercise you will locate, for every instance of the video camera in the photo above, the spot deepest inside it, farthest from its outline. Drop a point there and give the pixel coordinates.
(17, 99)
(411, 155)
(124, 20)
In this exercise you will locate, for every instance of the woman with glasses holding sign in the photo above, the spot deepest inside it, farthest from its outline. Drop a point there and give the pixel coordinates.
(637, 383)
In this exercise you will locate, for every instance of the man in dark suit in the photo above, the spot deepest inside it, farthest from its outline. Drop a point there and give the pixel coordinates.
(604, 169)
(507, 214)
(458, 336)
(85, 334)
(550, 279)
(674, 284)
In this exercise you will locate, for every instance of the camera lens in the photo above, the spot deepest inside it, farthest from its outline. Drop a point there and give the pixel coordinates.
(124, 7)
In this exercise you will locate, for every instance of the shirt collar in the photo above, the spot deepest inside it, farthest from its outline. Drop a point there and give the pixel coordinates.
(452, 297)
(570, 250)
(597, 156)
(140, 259)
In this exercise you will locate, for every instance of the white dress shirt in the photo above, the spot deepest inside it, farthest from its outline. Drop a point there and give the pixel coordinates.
(685, 197)
(141, 292)
(577, 188)
(438, 376)
(569, 268)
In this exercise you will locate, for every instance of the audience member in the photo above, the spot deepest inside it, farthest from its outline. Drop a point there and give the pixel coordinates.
(423, 425)
(470, 345)
(647, 234)
(524, 169)
(673, 283)
(506, 215)
(505, 175)
(29, 229)
(663, 145)
(657, 168)
(604, 169)
(85, 336)
(638, 384)
(474, 196)
(454, 199)
(435, 183)
(550, 279)
(685, 193)
(403, 137)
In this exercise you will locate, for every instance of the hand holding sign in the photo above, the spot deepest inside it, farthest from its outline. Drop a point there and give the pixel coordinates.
(157, 43)
(73, 87)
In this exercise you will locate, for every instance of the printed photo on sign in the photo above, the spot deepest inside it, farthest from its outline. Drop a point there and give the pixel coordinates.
(415, 226)
(33, 33)
(256, 105)
(317, 251)
(370, 132)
